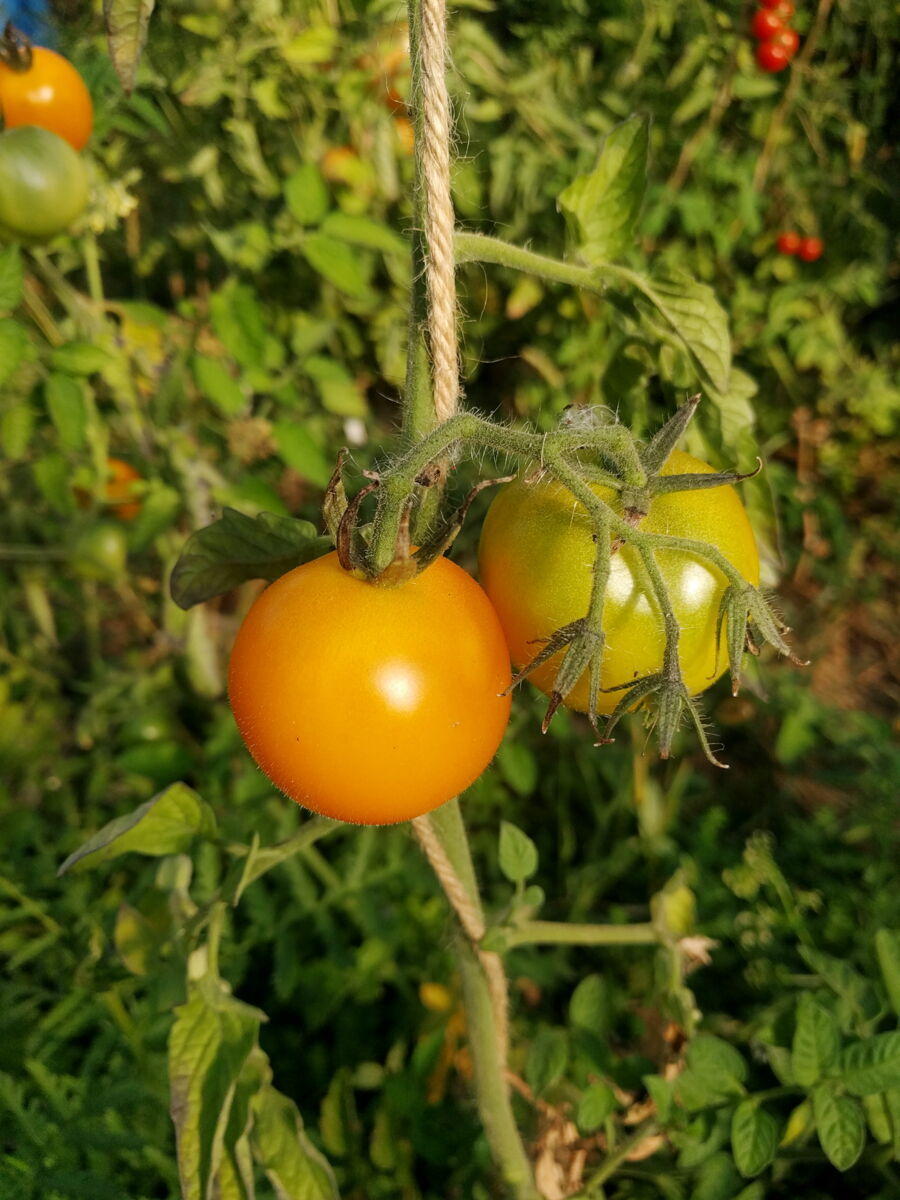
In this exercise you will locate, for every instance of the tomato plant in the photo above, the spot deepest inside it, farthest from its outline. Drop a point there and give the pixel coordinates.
(766, 24)
(100, 552)
(788, 243)
(120, 489)
(49, 93)
(788, 39)
(771, 56)
(43, 183)
(370, 704)
(810, 249)
(536, 560)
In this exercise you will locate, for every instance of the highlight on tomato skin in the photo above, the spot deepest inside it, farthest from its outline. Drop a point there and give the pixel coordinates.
(536, 564)
(371, 704)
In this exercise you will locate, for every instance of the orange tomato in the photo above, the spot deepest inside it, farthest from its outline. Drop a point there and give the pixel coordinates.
(50, 94)
(370, 704)
(405, 133)
(120, 489)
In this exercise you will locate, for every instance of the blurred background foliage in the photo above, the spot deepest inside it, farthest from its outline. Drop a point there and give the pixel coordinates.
(230, 313)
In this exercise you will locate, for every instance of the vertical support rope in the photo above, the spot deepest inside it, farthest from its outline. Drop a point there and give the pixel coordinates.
(472, 922)
(440, 265)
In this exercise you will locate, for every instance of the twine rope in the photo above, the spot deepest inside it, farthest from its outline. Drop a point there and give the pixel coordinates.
(472, 922)
(440, 266)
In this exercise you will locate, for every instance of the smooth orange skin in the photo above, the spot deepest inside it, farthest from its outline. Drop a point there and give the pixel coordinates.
(50, 94)
(536, 565)
(370, 704)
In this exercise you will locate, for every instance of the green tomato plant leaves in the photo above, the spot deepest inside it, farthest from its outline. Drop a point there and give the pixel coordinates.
(167, 824)
(237, 548)
(126, 31)
(602, 208)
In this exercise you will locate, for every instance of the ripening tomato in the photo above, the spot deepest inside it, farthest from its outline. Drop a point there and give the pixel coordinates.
(536, 561)
(765, 24)
(770, 3)
(811, 249)
(370, 704)
(788, 39)
(43, 184)
(50, 94)
(771, 56)
(788, 243)
(784, 10)
(100, 552)
(120, 489)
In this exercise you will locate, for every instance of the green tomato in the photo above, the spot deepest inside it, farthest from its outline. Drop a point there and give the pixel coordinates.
(101, 552)
(536, 561)
(43, 184)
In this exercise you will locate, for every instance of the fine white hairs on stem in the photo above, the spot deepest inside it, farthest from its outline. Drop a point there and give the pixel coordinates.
(440, 265)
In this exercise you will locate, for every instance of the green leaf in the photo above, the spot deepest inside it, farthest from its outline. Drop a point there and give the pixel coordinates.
(68, 411)
(878, 1118)
(12, 277)
(306, 195)
(518, 854)
(16, 427)
(209, 1043)
(595, 1105)
(80, 358)
(296, 447)
(126, 31)
(338, 390)
(338, 263)
(363, 231)
(167, 824)
(548, 1057)
(662, 1093)
(237, 319)
(872, 1065)
(693, 313)
(217, 385)
(717, 1179)
(754, 1138)
(53, 476)
(840, 1125)
(13, 344)
(293, 1166)
(589, 1007)
(887, 947)
(314, 45)
(817, 1041)
(518, 766)
(602, 207)
(160, 507)
(236, 548)
(715, 1059)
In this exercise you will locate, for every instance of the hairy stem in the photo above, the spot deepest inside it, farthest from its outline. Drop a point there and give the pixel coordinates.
(562, 933)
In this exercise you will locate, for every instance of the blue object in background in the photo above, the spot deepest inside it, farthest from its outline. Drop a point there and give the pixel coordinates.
(32, 17)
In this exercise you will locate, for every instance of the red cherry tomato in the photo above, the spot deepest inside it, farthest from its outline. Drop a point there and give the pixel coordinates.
(770, 3)
(789, 243)
(811, 249)
(50, 94)
(771, 57)
(784, 10)
(765, 24)
(371, 704)
(789, 39)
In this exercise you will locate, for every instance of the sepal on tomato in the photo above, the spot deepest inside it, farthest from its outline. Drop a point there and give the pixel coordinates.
(585, 653)
(742, 610)
(673, 701)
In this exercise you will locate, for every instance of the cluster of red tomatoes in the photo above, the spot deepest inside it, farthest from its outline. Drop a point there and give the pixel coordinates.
(808, 248)
(375, 704)
(778, 42)
(47, 116)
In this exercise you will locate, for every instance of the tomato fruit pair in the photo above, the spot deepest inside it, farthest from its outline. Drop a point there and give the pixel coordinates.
(43, 184)
(808, 248)
(48, 93)
(370, 704)
(536, 563)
